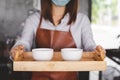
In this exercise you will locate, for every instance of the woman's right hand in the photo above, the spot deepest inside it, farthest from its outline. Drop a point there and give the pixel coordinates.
(17, 53)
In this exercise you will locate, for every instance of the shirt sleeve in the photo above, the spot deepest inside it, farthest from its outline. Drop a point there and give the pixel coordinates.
(88, 42)
(27, 35)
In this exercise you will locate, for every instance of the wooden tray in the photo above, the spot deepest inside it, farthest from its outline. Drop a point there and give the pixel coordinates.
(87, 63)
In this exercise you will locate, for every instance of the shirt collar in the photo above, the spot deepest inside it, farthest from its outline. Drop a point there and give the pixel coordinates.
(65, 18)
(63, 21)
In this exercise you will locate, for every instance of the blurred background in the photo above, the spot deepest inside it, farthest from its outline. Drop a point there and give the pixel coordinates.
(105, 23)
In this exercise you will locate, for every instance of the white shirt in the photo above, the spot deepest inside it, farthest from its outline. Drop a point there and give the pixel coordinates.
(80, 30)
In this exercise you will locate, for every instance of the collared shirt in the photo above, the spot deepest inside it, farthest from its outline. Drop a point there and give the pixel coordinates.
(80, 30)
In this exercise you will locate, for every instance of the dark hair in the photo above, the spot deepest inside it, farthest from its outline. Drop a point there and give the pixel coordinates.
(71, 8)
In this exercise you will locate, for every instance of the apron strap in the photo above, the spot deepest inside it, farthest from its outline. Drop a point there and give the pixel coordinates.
(40, 22)
(70, 28)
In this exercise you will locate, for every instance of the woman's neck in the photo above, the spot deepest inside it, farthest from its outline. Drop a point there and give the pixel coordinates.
(57, 14)
(58, 11)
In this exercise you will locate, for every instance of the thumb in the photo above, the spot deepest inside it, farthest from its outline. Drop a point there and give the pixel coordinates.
(99, 48)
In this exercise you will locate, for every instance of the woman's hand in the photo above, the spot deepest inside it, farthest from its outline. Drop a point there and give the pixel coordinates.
(99, 53)
(17, 53)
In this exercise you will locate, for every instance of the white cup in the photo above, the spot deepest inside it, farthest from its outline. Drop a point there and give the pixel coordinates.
(71, 54)
(44, 54)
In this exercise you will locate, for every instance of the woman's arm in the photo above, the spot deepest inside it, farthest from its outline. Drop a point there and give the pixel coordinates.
(88, 42)
(28, 33)
(87, 36)
(25, 42)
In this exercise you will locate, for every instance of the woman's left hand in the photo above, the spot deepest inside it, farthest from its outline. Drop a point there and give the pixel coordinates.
(99, 53)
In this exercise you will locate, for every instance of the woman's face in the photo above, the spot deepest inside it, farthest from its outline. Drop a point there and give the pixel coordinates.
(60, 2)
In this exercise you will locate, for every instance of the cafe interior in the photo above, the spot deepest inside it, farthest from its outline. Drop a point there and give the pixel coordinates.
(104, 16)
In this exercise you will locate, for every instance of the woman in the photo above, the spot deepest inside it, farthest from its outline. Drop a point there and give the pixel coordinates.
(57, 26)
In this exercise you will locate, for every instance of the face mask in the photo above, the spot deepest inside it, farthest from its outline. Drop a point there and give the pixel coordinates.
(60, 2)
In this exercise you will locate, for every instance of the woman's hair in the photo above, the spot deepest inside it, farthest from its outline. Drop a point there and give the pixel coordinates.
(71, 8)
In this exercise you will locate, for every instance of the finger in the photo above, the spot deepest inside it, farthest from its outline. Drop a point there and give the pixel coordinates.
(18, 56)
(21, 47)
(12, 53)
(21, 52)
(102, 49)
(16, 53)
(97, 56)
(98, 48)
(97, 53)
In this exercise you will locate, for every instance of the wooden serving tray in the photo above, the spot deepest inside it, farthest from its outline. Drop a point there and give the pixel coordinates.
(87, 63)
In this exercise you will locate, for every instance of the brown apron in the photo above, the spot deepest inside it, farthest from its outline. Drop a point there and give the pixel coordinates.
(56, 40)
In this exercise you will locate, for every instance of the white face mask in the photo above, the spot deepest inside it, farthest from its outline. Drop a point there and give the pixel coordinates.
(60, 2)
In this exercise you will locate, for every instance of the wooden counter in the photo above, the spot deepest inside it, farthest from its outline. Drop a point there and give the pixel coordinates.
(87, 63)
